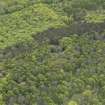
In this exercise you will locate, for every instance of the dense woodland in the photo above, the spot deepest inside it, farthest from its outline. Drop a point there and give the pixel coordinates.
(52, 52)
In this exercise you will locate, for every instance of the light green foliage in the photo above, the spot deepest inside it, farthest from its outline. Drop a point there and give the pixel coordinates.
(72, 103)
(31, 20)
(1, 100)
(87, 93)
(95, 17)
